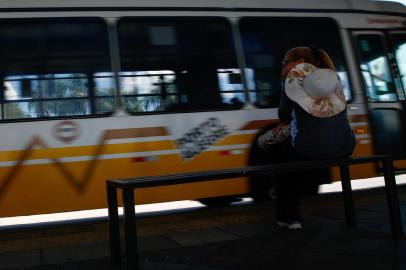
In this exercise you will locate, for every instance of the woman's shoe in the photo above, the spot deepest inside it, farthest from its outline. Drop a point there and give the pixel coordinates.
(290, 225)
(273, 194)
(295, 225)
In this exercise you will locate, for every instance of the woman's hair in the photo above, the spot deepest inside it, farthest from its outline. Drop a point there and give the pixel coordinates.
(314, 56)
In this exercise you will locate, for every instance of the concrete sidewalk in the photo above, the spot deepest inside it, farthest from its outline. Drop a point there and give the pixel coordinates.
(234, 237)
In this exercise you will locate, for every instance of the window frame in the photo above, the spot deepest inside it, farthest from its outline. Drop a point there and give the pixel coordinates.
(91, 98)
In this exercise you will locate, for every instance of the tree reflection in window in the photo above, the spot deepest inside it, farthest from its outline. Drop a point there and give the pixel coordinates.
(146, 91)
(52, 95)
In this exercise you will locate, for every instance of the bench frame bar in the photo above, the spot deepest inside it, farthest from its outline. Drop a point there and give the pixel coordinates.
(128, 186)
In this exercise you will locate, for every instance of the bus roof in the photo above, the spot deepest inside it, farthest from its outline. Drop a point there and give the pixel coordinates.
(333, 5)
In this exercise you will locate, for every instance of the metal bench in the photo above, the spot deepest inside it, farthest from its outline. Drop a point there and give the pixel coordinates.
(130, 184)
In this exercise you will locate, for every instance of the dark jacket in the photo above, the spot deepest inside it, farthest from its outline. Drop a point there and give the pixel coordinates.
(315, 137)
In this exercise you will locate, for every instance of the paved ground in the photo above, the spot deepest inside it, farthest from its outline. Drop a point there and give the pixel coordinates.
(234, 237)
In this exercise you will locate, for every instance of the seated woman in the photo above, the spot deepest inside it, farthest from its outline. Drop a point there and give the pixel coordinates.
(313, 104)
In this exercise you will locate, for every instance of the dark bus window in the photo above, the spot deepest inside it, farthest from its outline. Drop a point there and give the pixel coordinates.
(55, 68)
(178, 64)
(265, 42)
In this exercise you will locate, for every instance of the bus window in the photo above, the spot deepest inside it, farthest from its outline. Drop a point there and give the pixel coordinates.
(375, 68)
(178, 64)
(399, 49)
(266, 40)
(104, 89)
(55, 68)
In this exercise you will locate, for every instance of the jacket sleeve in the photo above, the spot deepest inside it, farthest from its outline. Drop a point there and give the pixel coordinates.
(285, 108)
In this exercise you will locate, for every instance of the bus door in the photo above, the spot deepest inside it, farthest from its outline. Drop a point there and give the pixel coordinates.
(381, 57)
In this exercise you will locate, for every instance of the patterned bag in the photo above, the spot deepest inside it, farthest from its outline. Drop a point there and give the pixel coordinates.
(273, 136)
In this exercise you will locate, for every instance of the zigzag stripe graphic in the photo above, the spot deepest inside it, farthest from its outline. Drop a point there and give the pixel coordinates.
(79, 183)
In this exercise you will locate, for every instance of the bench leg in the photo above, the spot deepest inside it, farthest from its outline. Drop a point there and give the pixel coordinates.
(114, 225)
(347, 194)
(131, 246)
(392, 198)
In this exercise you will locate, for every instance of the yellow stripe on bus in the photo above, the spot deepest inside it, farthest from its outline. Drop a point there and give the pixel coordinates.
(76, 188)
(88, 150)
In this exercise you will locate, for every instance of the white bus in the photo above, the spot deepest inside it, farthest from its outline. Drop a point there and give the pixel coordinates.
(95, 90)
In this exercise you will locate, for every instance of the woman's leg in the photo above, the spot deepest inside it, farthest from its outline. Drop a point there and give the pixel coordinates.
(287, 202)
(288, 186)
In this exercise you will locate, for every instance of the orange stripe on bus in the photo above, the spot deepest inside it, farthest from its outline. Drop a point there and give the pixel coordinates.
(358, 118)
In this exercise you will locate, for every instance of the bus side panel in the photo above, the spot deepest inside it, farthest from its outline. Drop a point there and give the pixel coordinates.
(58, 186)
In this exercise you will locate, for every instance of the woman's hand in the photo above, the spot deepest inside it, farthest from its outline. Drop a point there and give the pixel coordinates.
(276, 135)
(279, 127)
